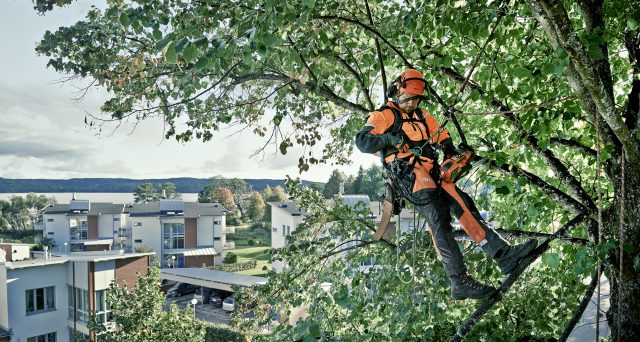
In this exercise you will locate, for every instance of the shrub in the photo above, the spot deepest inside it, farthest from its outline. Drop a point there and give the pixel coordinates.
(240, 266)
(216, 333)
(251, 242)
(230, 258)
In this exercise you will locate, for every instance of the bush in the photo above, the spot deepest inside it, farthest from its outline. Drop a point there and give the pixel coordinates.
(233, 220)
(237, 267)
(216, 333)
(251, 242)
(230, 258)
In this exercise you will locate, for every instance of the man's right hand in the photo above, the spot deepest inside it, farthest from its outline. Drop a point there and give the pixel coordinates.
(391, 139)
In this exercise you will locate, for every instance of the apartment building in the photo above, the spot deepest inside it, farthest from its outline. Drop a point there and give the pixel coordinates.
(82, 225)
(183, 234)
(285, 216)
(49, 298)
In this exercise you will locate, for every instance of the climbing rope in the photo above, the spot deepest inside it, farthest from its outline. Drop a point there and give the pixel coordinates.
(599, 243)
(621, 238)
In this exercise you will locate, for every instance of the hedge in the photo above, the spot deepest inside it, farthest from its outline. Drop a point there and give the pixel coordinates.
(216, 333)
(239, 266)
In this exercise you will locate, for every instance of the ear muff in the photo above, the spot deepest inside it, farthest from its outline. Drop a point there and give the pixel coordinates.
(393, 90)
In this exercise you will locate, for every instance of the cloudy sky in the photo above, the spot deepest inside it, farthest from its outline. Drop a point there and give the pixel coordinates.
(42, 131)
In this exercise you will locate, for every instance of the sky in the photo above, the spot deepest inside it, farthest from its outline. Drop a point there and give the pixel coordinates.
(43, 135)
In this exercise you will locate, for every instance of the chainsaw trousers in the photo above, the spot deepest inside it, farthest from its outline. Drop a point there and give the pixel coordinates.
(443, 201)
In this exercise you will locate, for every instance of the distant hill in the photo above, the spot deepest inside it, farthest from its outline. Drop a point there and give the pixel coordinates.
(184, 185)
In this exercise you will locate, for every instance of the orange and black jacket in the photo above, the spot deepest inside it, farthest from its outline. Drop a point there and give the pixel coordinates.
(416, 129)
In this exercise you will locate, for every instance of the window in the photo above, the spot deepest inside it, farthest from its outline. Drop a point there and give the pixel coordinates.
(82, 302)
(103, 314)
(138, 241)
(50, 233)
(216, 238)
(50, 337)
(78, 229)
(116, 219)
(274, 229)
(284, 230)
(49, 220)
(76, 336)
(288, 230)
(137, 224)
(216, 222)
(40, 299)
(173, 235)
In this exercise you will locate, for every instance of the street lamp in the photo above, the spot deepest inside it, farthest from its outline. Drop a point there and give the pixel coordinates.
(65, 247)
(173, 261)
(194, 301)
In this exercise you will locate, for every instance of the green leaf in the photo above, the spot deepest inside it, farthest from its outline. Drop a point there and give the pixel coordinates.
(170, 53)
(632, 24)
(503, 190)
(551, 259)
(190, 53)
(502, 90)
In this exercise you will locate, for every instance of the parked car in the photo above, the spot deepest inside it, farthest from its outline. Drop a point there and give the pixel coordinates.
(215, 300)
(181, 289)
(229, 304)
(166, 285)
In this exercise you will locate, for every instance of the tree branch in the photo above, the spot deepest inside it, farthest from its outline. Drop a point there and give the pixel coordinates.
(322, 90)
(574, 144)
(586, 299)
(358, 77)
(554, 19)
(379, 51)
(513, 276)
(558, 195)
(525, 234)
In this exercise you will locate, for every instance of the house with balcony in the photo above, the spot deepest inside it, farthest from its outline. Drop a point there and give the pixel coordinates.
(183, 234)
(50, 298)
(285, 216)
(82, 225)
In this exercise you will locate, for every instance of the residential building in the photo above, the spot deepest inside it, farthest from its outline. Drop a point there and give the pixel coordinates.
(285, 216)
(49, 298)
(184, 234)
(82, 225)
(14, 251)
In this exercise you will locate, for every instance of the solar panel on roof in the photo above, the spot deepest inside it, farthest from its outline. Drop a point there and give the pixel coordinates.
(82, 205)
(171, 205)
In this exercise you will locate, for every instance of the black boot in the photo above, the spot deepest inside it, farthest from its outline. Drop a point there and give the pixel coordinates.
(463, 286)
(511, 256)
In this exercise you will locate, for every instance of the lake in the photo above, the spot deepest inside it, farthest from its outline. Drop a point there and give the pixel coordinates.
(115, 197)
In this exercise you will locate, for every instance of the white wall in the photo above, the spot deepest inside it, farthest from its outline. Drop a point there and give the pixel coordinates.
(81, 274)
(106, 226)
(4, 312)
(104, 274)
(150, 233)
(280, 218)
(205, 231)
(59, 226)
(24, 326)
(20, 252)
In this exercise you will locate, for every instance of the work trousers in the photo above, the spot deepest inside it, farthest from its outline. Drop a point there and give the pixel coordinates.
(441, 202)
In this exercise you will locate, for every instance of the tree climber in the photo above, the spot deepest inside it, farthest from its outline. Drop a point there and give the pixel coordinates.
(407, 139)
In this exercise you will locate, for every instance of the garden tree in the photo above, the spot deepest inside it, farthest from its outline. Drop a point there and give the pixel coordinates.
(357, 185)
(255, 207)
(277, 195)
(332, 187)
(137, 315)
(372, 184)
(219, 195)
(551, 106)
(145, 193)
(237, 186)
(21, 213)
(168, 190)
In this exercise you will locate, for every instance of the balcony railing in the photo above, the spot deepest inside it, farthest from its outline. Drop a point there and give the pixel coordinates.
(228, 230)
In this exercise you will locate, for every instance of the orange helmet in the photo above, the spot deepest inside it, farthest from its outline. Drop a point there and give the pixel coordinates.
(411, 82)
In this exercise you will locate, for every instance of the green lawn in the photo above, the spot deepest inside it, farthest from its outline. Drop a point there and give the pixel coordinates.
(257, 253)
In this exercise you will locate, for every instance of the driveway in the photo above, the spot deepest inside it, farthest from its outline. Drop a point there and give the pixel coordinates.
(205, 312)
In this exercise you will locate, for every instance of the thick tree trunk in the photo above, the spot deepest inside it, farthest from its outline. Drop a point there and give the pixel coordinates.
(624, 312)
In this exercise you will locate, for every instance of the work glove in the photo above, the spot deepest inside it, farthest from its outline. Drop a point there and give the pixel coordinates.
(391, 139)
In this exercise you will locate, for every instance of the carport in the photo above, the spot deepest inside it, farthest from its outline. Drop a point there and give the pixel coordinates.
(209, 278)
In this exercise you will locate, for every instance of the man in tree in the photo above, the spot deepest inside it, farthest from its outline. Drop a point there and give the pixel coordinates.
(407, 138)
